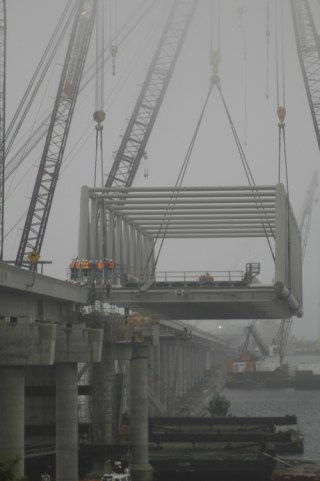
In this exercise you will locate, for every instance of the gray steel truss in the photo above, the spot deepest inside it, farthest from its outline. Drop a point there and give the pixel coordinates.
(126, 223)
(2, 115)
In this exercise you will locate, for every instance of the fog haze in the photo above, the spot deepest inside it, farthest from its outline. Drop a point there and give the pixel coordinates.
(215, 160)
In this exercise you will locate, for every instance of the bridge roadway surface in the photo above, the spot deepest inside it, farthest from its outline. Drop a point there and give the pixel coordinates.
(225, 300)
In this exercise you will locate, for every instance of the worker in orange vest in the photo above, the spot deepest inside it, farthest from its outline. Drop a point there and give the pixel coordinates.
(84, 268)
(111, 266)
(100, 269)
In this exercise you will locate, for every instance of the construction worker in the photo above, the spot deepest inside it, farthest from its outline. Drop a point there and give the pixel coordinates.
(100, 269)
(77, 266)
(73, 271)
(106, 262)
(84, 268)
(111, 266)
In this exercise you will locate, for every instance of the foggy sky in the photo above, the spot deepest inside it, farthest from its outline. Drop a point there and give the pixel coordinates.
(215, 160)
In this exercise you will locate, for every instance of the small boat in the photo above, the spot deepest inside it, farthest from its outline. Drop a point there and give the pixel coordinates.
(297, 470)
(116, 477)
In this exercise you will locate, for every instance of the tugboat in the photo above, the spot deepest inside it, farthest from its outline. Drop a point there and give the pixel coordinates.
(118, 473)
(219, 405)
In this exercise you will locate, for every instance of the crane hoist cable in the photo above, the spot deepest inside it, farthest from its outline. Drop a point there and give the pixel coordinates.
(215, 81)
(281, 112)
(268, 33)
(99, 114)
(171, 204)
(244, 163)
(113, 32)
(39, 74)
(135, 21)
(108, 101)
(242, 24)
(245, 58)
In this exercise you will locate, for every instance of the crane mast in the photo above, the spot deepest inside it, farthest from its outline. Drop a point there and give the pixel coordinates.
(308, 47)
(134, 141)
(48, 172)
(2, 114)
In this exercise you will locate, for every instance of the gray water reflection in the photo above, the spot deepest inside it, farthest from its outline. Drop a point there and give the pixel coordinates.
(305, 404)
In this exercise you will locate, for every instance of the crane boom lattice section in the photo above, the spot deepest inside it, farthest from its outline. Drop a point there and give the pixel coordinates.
(132, 147)
(51, 159)
(308, 47)
(2, 115)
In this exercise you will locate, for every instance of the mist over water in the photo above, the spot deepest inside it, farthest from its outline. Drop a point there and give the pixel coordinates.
(279, 402)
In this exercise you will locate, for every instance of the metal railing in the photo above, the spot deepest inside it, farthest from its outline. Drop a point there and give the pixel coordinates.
(199, 277)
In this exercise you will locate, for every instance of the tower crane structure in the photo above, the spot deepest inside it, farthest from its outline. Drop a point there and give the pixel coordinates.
(308, 48)
(48, 172)
(2, 114)
(134, 141)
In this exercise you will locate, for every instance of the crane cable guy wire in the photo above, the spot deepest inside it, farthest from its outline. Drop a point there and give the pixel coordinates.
(214, 81)
(281, 112)
(99, 114)
(89, 74)
(40, 73)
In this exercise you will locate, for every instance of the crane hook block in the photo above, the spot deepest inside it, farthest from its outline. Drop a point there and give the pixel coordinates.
(114, 50)
(215, 60)
(281, 112)
(99, 116)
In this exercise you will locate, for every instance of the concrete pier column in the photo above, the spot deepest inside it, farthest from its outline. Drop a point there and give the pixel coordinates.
(12, 381)
(163, 373)
(151, 378)
(180, 373)
(141, 470)
(66, 422)
(185, 369)
(156, 371)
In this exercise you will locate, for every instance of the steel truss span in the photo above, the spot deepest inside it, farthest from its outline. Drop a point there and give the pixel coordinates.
(125, 223)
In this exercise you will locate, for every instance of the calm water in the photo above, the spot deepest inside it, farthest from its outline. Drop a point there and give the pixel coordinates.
(305, 404)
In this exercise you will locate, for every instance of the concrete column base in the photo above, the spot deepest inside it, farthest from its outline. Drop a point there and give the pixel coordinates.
(12, 414)
(66, 422)
(141, 472)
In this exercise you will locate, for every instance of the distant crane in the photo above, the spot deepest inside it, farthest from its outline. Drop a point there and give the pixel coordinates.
(48, 172)
(2, 114)
(253, 332)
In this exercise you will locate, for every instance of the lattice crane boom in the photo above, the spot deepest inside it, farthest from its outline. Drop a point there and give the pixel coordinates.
(134, 141)
(48, 172)
(308, 48)
(2, 115)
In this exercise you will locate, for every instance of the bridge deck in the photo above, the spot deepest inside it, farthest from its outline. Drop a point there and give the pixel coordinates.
(231, 301)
